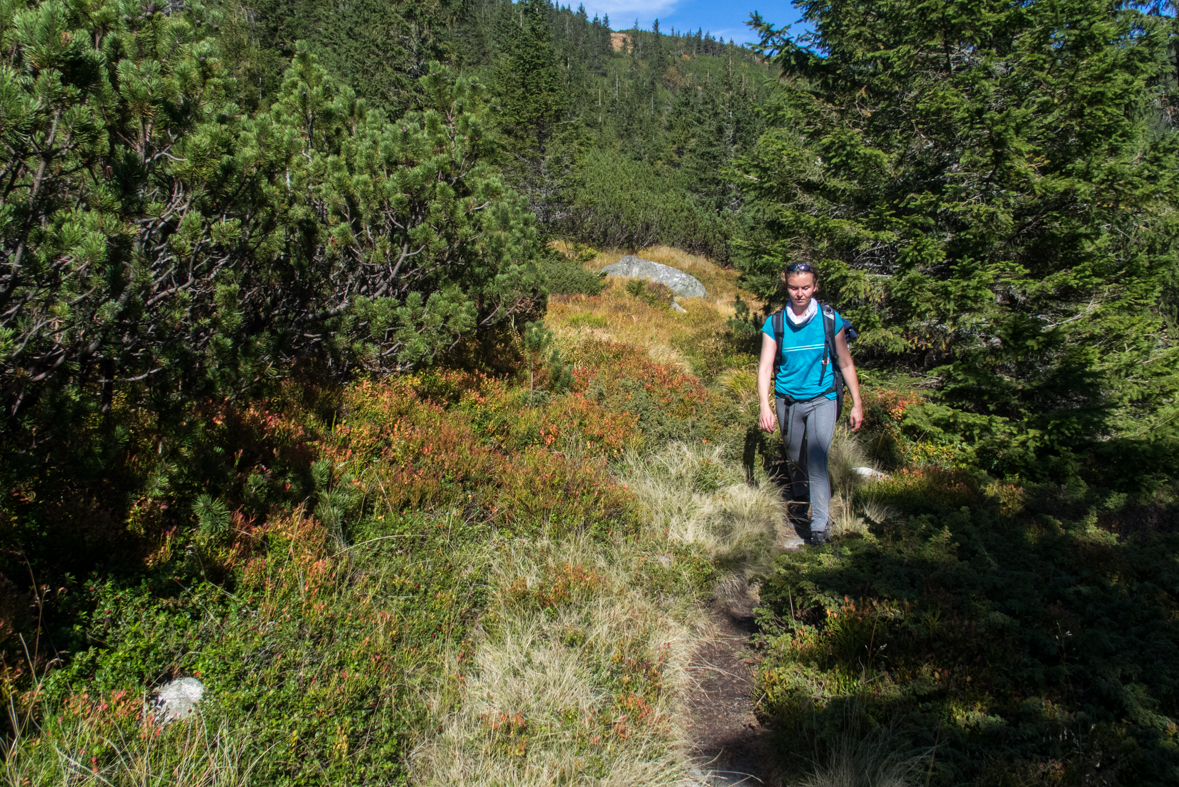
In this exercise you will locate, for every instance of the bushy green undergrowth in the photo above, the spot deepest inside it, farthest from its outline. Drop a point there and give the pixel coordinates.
(380, 583)
(563, 274)
(652, 293)
(1008, 634)
(461, 579)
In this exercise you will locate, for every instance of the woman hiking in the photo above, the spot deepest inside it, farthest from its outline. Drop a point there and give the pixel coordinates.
(806, 389)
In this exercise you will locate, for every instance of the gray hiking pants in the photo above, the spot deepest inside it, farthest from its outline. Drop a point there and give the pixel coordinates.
(807, 429)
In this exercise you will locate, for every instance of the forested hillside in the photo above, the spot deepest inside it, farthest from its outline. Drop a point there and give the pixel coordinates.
(312, 390)
(617, 139)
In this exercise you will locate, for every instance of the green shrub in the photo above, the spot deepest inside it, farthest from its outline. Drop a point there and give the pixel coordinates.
(264, 258)
(1016, 640)
(621, 203)
(651, 292)
(587, 321)
(560, 275)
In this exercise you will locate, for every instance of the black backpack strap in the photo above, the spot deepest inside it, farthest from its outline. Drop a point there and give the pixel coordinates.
(778, 320)
(829, 332)
(831, 356)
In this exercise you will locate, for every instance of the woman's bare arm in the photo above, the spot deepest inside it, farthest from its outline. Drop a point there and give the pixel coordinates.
(848, 367)
(765, 372)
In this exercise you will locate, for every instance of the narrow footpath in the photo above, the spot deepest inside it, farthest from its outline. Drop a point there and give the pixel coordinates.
(730, 747)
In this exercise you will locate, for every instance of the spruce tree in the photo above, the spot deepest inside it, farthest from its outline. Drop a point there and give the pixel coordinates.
(529, 83)
(989, 189)
(533, 94)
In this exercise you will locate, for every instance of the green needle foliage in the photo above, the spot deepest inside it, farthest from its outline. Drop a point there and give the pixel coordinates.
(530, 85)
(538, 339)
(157, 242)
(533, 118)
(664, 114)
(989, 188)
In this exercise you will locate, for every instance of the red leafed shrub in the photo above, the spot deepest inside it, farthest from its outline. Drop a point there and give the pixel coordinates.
(669, 403)
(559, 586)
(680, 393)
(575, 420)
(883, 406)
(541, 488)
(411, 453)
(415, 452)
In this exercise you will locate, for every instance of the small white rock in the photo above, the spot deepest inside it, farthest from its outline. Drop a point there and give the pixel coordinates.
(176, 699)
(869, 472)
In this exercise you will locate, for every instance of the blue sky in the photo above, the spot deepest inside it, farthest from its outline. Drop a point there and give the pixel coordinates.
(721, 18)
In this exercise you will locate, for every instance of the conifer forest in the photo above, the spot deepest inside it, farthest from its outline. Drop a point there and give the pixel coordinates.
(314, 393)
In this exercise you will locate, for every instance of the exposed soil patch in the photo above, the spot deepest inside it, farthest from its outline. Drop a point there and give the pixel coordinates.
(728, 744)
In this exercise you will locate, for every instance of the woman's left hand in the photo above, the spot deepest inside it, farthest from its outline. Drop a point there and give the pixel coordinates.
(856, 419)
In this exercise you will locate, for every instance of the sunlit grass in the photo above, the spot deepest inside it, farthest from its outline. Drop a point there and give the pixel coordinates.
(697, 341)
(696, 497)
(576, 677)
(185, 753)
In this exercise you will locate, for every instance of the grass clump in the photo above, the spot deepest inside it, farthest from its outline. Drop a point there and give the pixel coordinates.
(856, 503)
(563, 272)
(187, 753)
(575, 679)
(586, 321)
(698, 498)
(652, 293)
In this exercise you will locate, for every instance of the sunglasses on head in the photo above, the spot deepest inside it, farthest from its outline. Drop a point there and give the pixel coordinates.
(800, 267)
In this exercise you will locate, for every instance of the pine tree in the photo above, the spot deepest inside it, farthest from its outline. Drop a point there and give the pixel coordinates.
(159, 244)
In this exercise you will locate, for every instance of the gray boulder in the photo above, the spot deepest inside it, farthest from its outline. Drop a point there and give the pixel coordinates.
(176, 699)
(682, 284)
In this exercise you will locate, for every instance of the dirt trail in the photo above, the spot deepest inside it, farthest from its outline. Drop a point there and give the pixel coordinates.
(729, 745)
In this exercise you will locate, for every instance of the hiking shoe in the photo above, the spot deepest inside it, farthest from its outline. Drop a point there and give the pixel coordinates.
(818, 538)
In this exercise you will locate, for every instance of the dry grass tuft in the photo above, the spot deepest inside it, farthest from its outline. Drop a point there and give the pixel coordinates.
(852, 505)
(740, 385)
(696, 498)
(184, 753)
(859, 762)
(577, 678)
(861, 759)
